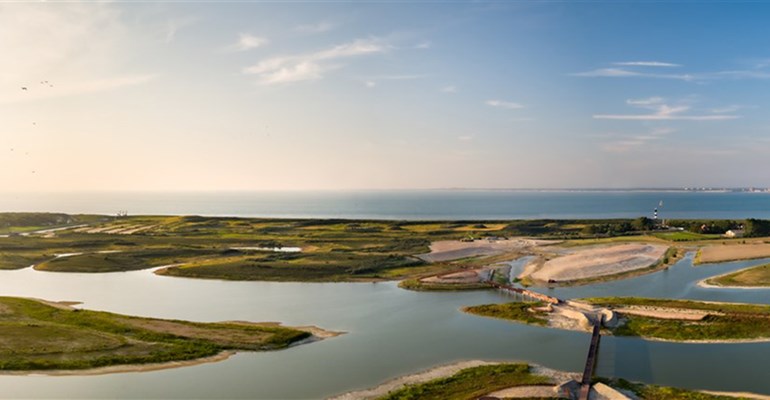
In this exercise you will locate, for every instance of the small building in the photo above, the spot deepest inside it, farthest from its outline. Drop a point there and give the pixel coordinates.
(735, 233)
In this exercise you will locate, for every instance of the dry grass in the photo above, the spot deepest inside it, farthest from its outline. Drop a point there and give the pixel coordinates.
(733, 252)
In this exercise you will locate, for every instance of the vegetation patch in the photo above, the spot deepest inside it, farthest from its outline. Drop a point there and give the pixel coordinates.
(471, 383)
(516, 311)
(722, 321)
(751, 277)
(39, 336)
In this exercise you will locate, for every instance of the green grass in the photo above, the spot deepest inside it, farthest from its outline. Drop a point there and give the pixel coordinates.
(328, 266)
(683, 236)
(470, 383)
(516, 311)
(38, 336)
(752, 277)
(730, 321)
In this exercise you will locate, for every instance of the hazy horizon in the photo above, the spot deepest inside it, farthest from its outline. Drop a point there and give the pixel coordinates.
(252, 96)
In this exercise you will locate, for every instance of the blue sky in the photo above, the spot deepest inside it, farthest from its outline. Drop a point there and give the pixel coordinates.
(345, 95)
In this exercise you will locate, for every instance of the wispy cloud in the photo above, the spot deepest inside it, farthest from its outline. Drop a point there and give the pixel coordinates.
(663, 112)
(175, 25)
(465, 138)
(246, 42)
(625, 143)
(423, 45)
(320, 27)
(449, 89)
(504, 104)
(646, 64)
(626, 73)
(312, 66)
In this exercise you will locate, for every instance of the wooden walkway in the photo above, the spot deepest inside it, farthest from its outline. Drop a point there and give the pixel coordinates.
(526, 293)
(593, 353)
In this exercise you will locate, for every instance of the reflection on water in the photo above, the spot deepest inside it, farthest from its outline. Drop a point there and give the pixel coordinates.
(390, 332)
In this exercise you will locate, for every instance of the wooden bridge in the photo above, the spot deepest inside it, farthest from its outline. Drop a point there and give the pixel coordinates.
(593, 348)
(593, 353)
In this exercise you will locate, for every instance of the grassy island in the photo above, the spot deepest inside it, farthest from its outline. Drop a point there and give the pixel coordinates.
(38, 335)
(758, 276)
(430, 255)
(687, 320)
(670, 320)
(471, 383)
(526, 312)
(518, 380)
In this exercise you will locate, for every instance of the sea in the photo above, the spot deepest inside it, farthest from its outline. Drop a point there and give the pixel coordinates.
(405, 204)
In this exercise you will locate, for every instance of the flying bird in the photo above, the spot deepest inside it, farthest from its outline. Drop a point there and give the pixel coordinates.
(23, 88)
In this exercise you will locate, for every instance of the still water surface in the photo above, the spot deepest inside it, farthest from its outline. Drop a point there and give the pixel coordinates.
(391, 332)
(404, 204)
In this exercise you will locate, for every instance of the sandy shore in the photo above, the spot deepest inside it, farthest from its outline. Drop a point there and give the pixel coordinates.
(116, 369)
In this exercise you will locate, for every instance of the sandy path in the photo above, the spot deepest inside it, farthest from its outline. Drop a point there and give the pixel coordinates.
(525, 392)
(600, 261)
(667, 313)
(448, 250)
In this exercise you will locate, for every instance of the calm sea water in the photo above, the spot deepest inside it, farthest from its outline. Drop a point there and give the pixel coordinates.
(390, 332)
(411, 205)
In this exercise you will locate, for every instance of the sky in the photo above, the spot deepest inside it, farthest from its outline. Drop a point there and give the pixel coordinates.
(172, 96)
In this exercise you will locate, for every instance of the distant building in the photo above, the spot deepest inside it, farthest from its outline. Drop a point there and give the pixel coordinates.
(734, 233)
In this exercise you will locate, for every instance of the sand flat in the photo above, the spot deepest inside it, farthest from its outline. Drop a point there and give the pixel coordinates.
(600, 261)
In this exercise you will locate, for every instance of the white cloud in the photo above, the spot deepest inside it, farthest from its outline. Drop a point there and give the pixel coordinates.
(320, 27)
(449, 89)
(370, 84)
(645, 64)
(246, 42)
(312, 66)
(423, 45)
(504, 104)
(662, 112)
(465, 138)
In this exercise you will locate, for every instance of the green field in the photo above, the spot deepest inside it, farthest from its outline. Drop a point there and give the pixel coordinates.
(40, 336)
(751, 277)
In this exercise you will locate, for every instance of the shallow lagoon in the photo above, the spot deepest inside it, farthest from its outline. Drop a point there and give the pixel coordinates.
(391, 332)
